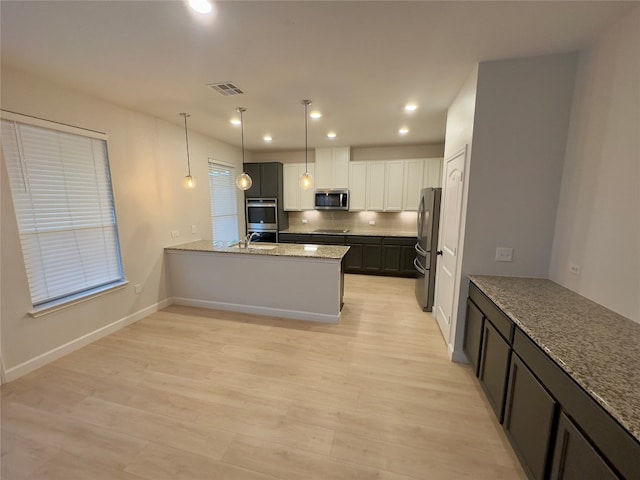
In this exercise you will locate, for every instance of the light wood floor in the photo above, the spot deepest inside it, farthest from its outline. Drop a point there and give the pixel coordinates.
(198, 394)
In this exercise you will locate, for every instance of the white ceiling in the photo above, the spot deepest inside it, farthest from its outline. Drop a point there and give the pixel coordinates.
(358, 61)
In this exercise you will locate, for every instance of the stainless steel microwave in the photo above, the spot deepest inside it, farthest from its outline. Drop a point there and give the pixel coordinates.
(332, 200)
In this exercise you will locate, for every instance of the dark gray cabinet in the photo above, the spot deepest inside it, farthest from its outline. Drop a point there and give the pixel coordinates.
(556, 428)
(294, 238)
(528, 419)
(266, 180)
(574, 458)
(494, 367)
(398, 254)
(473, 335)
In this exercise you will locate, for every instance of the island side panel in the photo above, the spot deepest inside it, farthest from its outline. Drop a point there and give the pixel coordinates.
(290, 287)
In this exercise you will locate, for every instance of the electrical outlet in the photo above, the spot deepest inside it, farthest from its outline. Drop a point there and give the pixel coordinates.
(504, 254)
(372, 222)
(137, 288)
(175, 233)
(304, 220)
(194, 229)
(574, 268)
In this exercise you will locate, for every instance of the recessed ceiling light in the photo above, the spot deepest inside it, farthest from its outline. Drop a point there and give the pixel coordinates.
(235, 121)
(410, 107)
(201, 6)
(331, 134)
(267, 138)
(403, 131)
(315, 114)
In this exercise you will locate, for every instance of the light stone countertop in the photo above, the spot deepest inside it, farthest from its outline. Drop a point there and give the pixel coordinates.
(597, 347)
(355, 231)
(331, 252)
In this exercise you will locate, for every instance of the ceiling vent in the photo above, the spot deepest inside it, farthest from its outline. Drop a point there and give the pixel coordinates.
(226, 88)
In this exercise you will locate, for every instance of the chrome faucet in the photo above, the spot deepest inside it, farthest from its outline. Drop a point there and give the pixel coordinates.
(250, 237)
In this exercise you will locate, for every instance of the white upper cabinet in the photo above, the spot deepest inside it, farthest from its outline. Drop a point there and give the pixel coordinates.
(295, 198)
(432, 172)
(357, 186)
(332, 167)
(393, 185)
(413, 178)
(375, 186)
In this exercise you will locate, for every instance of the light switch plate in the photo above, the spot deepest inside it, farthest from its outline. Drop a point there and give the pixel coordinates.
(175, 233)
(504, 254)
(574, 268)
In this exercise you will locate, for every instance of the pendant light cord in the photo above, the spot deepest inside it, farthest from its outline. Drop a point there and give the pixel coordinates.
(242, 134)
(306, 149)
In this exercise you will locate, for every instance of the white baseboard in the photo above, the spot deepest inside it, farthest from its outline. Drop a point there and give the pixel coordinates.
(257, 310)
(457, 356)
(48, 357)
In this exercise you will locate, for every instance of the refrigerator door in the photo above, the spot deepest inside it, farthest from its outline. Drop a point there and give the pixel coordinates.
(426, 246)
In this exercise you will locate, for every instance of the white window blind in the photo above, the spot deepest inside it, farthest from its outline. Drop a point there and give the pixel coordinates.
(61, 189)
(224, 212)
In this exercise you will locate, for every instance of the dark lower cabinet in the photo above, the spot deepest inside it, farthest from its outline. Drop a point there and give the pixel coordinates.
(294, 238)
(407, 267)
(528, 419)
(574, 458)
(473, 335)
(371, 258)
(398, 254)
(494, 367)
(353, 259)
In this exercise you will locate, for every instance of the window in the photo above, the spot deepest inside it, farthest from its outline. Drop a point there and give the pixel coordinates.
(224, 212)
(61, 189)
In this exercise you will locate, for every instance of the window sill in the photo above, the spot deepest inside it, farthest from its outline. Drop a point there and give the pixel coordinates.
(66, 302)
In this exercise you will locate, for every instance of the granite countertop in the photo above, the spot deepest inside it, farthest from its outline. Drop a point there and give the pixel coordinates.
(331, 252)
(359, 231)
(597, 347)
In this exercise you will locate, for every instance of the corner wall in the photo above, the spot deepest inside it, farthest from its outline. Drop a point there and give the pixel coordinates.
(598, 221)
(148, 161)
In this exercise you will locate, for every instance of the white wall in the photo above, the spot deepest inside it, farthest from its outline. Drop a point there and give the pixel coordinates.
(598, 221)
(519, 135)
(148, 162)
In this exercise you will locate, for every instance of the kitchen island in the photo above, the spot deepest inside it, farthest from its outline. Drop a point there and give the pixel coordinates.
(304, 282)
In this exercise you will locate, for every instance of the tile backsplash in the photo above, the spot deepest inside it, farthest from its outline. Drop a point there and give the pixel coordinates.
(403, 221)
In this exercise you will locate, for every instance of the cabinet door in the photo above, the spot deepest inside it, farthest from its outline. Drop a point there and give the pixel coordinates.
(494, 367)
(574, 458)
(413, 173)
(270, 177)
(473, 335)
(357, 186)
(375, 186)
(291, 186)
(394, 182)
(353, 259)
(323, 168)
(432, 172)
(340, 167)
(253, 169)
(407, 267)
(528, 419)
(391, 258)
(371, 257)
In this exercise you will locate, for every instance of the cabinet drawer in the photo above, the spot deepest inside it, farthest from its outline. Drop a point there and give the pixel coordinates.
(503, 324)
(528, 418)
(294, 238)
(574, 458)
(402, 241)
(327, 239)
(613, 441)
(354, 239)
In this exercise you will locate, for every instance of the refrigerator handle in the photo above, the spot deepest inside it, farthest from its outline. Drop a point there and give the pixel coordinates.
(418, 266)
(420, 250)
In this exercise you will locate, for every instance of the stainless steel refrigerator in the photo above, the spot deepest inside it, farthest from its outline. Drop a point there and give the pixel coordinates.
(427, 246)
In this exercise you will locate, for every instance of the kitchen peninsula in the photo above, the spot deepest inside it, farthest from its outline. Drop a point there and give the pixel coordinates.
(304, 282)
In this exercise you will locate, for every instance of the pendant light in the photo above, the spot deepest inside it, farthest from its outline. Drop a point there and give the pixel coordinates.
(243, 181)
(189, 182)
(306, 181)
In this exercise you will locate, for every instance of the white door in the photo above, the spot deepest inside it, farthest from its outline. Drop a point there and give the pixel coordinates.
(449, 236)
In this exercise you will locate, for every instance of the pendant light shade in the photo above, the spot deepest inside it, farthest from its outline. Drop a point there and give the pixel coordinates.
(243, 181)
(306, 180)
(189, 182)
